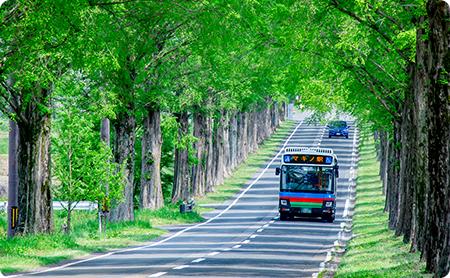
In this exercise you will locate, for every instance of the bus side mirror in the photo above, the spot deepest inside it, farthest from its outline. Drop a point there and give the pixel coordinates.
(277, 171)
(336, 170)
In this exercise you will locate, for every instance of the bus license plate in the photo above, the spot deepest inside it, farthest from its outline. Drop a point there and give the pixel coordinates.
(306, 210)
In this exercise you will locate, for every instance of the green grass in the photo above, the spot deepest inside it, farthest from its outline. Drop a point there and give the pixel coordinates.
(30, 252)
(375, 251)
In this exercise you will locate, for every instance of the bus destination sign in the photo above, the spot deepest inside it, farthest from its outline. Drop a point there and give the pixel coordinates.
(308, 159)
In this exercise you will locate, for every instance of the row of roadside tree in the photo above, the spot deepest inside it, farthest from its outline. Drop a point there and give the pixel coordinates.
(387, 63)
(169, 82)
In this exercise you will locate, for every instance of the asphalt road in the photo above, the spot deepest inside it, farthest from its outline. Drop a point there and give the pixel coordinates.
(243, 237)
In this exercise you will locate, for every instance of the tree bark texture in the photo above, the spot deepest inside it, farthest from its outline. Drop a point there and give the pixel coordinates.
(198, 170)
(275, 118)
(437, 66)
(383, 142)
(226, 144)
(407, 169)
(264, 126)
(181, 184)
(13, 179)
(233, 139)
(105, 136)
(124, 144)
(422, 184)
(209, 184)
(218, 149)
(282, 112)
(242, 143)
(268, 119)
(151, 196)
(252, 130)
(390, 193)
(394, 178)
(35, 213)
(105, 131)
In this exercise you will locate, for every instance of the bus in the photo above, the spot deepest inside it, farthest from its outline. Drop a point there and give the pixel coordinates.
(308, 183)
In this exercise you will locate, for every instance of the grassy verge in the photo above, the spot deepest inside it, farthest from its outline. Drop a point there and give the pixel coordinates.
(375, 251)
(30, 252)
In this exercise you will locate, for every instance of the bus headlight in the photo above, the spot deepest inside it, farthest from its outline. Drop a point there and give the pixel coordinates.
(328, 203)
(284, 202)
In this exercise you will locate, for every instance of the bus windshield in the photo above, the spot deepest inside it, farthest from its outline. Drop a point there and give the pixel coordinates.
(313, 179)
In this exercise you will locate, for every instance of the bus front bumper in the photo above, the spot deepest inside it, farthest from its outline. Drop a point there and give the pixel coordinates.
(308, 212)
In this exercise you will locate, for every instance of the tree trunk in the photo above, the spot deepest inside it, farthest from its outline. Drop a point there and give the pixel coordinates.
(181, 186)
(242, 145)
(394, 178)
(218, 149)
(35, 213)
(282, 112)
(275, 118)
(233, 140)
(384, 155)
(105, 132)
(209, 184)
(198, 170)
(390, 188)
(420, 86)
(268, 119)
(263, 122)
(408, 169)
(252, 130)
(151, 196)
(437, 66)
(13, 179)
(124, 144)
(226, 144)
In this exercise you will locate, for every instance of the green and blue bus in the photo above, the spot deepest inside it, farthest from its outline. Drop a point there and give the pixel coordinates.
(308, 182)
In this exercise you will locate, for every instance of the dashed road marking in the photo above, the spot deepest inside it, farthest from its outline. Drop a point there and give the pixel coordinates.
(198, 260)
(181, 266)
(158, 274)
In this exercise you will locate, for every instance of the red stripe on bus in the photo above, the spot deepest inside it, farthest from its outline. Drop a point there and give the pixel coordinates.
(306, 200)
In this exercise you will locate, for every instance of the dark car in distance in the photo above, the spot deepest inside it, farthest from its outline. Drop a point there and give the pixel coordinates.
(338, 128)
